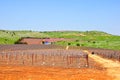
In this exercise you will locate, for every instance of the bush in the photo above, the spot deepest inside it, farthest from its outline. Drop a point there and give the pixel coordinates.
(77, 40)
(69, 43)
(88, 41)
(78, 44)
(20, 43)
(94, 42)
(82, 44)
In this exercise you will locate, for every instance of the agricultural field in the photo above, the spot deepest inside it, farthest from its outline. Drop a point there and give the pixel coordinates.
(52, 62)
(105, 53)
(90, 55)
(44, 55)
(95, 39)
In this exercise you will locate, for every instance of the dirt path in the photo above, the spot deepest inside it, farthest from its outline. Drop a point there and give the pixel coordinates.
(113, 68)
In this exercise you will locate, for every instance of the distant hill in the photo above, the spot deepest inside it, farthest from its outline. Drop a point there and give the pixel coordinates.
(97, 39)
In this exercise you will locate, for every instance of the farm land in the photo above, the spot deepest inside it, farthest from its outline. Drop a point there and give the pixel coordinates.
(92, 55)
(94, 39)
(51, 62)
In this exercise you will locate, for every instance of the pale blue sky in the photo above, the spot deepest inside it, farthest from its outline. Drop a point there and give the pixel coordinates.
(50, 15)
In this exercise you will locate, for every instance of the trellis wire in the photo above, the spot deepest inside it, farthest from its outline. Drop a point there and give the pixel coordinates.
(46, 57)
(110, 54)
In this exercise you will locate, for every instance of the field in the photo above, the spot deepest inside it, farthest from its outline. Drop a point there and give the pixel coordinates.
(44, 55)
(51, 62)
(95, 39)
(105, 53)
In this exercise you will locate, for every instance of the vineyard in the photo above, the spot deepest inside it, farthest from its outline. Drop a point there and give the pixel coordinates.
(28, 47)
(52, 56)
(105, 53)
(42, 55)
(34, 62)
(59, 58)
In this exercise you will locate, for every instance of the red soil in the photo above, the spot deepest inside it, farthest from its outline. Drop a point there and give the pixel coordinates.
(45, 73)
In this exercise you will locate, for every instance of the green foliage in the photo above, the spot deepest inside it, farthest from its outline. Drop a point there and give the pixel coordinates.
(77, 44)
(77, 40)
(95, 39)
(94, 42)
(69, 43)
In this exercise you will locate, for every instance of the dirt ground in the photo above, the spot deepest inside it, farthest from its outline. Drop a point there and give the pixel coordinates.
(44, 73)
(112, 67)
(111, 72)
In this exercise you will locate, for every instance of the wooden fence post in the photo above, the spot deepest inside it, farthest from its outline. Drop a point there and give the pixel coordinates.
(32, 58)
(87, 65)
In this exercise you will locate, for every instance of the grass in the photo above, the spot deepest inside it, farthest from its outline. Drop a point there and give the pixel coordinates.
(96, 39)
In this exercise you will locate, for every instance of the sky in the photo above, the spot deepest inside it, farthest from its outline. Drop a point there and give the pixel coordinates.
(57, 15)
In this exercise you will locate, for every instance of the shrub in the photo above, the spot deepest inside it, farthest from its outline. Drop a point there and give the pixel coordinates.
(82, 44)
(69, 43)
(77, 44)
(77, 40)
(94, 42)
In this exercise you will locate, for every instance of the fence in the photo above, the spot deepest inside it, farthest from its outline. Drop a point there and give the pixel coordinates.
(45, 57)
